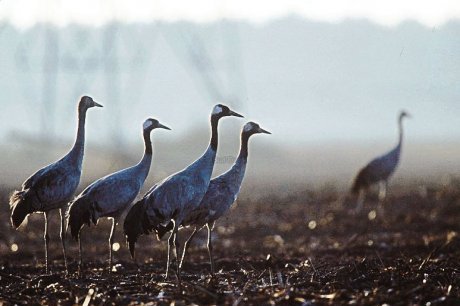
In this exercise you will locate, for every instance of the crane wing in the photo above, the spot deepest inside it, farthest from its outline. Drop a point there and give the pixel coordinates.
(113, 194)
(32, 180)
(382, 167)
(54, 183)
(173, 195)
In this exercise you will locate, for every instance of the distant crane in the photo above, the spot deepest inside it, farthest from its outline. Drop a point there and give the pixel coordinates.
(176, 196)
(222, 193)
(379, 169)
(53, 186)
(111, 195)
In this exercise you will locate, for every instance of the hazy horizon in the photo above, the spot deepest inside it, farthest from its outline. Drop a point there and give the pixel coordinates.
(329, 92)
(306, 81)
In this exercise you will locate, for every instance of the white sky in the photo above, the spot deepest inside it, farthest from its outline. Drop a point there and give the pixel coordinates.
(26, 13)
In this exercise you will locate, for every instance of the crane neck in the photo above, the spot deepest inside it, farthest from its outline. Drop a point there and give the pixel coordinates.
(144, 165)
(214, 132)
(244, 145)
(147, 143)
(400, 126)
(80, 140)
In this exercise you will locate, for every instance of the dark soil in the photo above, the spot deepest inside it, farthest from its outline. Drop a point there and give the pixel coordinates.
(305, 248)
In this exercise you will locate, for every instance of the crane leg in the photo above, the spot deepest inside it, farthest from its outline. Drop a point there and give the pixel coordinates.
(111, 240)
(80, 260)
(47, 239)
(63, 236)
(171, 242)
(383, 190)
(177, 250)
(186, 245)
(360, 201)
(211, 260)
(382, 196)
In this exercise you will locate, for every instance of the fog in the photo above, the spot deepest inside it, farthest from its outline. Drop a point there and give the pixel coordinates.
(329, 92)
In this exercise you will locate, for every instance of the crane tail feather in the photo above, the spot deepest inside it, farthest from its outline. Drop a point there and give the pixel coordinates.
(355, 188)
(162, 230)
(81, 211)
(21, 206)
(360, 182)
(135, 225)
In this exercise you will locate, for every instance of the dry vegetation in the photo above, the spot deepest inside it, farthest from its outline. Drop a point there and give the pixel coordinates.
(302, 248)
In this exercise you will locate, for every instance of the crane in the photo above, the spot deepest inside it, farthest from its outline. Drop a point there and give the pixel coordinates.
(53, 186)
(176, 196)
(379, 169)
(221, 194)
(111, 195)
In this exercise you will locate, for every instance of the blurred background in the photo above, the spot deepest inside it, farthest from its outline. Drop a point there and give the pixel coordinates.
(327, 78)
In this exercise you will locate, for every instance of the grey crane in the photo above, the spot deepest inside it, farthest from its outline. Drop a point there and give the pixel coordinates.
(221, 194)
(176, 196)
(53, 186)
(111, 195)
(379, 169)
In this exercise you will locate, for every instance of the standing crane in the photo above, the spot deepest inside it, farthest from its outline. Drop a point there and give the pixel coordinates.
(379, 170)
(222, 193)
(53, 186)
(111, 195)
(176, 196)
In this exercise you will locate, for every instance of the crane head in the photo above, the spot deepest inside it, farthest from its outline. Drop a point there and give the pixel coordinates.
(151, 124)
(403, 114)
(221, 110)
(87, 102)
(253, 128)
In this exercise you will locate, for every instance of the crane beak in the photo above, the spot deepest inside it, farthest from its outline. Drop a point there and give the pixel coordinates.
(97, 104)
(261, 130)
(232, 113)
(161, 126)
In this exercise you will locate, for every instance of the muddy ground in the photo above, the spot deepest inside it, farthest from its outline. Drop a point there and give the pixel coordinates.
(302, 247)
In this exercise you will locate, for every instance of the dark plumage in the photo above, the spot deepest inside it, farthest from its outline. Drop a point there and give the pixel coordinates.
(163, 230)
(53, 186)
(81, 212)
(21, 206)
(360, 182)
(379, 169)
(135, 224)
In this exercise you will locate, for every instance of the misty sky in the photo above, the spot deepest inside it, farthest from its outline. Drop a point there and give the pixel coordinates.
(331, 71)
